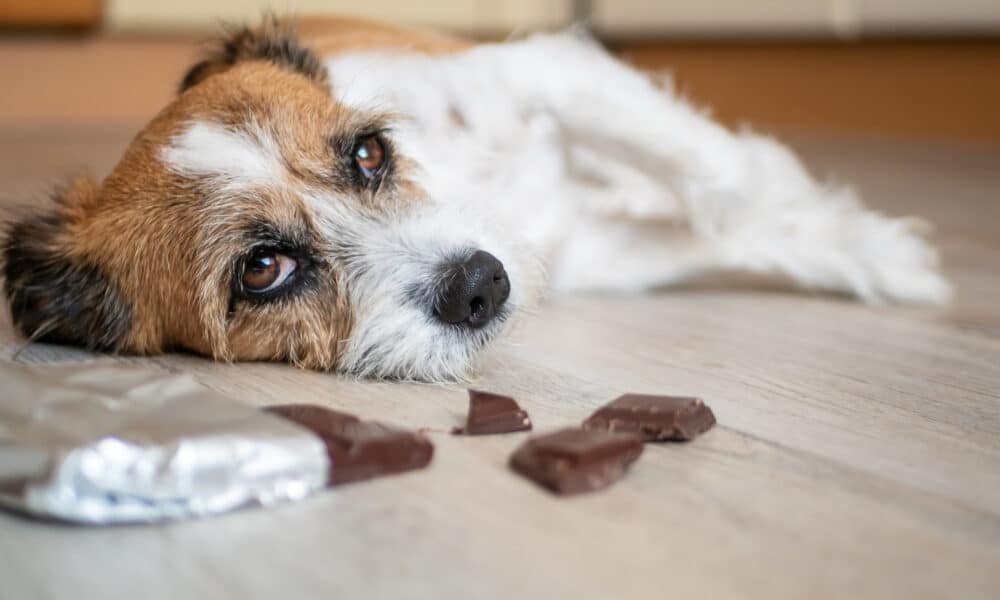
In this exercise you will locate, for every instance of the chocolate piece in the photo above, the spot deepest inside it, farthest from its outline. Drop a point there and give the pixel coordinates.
(654, 417)
(493, 413)
(359, 449)
(572, 461)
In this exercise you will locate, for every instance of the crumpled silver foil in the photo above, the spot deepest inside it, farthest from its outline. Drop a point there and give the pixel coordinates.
(101, 444)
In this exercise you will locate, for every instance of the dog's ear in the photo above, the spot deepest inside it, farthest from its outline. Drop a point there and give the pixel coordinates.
(274, 41)
(55, 294)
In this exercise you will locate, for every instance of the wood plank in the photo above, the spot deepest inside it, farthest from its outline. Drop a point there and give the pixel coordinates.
(906, 88)
(50, 13)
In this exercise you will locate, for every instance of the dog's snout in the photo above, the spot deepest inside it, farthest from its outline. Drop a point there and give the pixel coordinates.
(473, 291)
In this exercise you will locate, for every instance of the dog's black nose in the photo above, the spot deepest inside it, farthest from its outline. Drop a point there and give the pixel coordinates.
(473, 291)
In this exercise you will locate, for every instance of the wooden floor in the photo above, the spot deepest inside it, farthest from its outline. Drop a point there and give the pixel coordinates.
(857, 453)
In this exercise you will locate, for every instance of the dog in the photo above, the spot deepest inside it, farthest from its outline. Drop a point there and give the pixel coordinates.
(378, 201)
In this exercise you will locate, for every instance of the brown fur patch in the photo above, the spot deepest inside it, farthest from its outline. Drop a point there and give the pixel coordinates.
(152, 252)
(175, 239)
(56, 294)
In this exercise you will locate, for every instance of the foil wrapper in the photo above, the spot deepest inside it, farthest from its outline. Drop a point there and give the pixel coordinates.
(104, 444)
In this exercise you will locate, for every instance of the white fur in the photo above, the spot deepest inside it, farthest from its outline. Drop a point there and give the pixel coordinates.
(384, 257)
(620, 185)
(244, 157)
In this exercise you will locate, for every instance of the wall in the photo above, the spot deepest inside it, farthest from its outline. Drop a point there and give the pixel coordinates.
(614, 17)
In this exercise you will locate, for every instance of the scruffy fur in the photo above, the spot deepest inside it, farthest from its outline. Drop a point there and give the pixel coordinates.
(546, 152)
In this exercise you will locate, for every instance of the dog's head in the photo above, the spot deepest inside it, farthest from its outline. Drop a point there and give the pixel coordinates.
(256, 218)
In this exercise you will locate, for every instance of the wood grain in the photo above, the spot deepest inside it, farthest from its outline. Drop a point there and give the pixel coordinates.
(857, 452)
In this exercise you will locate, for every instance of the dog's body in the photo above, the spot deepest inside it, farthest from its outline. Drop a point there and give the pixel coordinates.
(379, 201)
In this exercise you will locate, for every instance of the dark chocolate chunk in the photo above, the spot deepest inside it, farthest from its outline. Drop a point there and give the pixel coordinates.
(359, 449)
(572, 461)
(312, 416)
(493, 413)
(654, 417)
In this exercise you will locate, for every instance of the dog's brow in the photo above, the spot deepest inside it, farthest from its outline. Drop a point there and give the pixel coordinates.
(206, 149)
(345, 138)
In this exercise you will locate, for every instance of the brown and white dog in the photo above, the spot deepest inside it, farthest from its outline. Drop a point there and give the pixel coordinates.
(378, 201)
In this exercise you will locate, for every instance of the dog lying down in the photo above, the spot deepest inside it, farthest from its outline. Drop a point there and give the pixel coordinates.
(378, 201)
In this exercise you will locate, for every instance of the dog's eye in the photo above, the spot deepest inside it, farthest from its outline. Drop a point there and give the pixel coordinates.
(267, 270)
(369, 156)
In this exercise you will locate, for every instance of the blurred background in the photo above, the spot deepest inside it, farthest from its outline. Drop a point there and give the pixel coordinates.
(911, 69)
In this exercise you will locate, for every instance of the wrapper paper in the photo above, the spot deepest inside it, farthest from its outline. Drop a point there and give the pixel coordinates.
(103, 444)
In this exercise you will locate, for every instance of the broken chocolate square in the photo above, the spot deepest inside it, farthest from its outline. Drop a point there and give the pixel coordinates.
(493, 413)
(359, 449)
(654, 417)
(572, 461)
